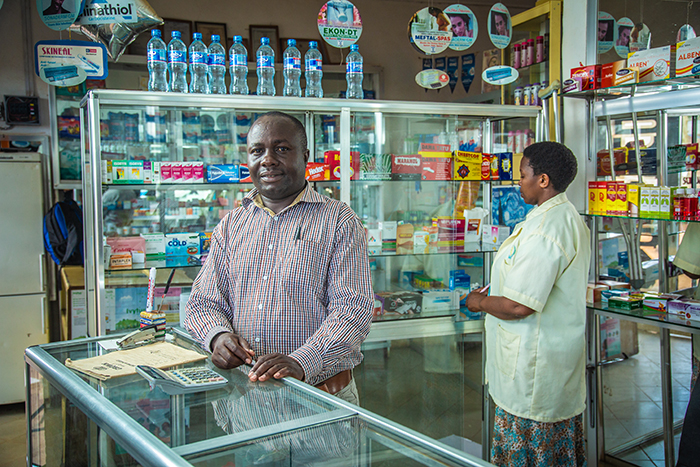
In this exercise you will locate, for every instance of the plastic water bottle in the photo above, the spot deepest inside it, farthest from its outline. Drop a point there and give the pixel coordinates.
(157, 66)
(353, 74)
(266, 68)
(177, 62)
(198, 65)
(239, 67)
(217, 66)
(292, 69)
(313, 61)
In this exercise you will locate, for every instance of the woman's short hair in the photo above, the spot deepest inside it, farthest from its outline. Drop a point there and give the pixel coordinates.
(555, 160)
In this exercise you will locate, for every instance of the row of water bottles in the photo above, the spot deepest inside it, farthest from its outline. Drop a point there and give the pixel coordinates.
(207, 67)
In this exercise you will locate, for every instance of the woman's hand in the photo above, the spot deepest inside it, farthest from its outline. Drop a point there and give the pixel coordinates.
(474, 299)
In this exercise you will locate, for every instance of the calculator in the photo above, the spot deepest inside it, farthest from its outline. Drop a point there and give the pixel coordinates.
(182, 381)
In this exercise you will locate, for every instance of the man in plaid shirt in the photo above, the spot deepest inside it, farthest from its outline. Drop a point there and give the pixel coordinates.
(286, 286)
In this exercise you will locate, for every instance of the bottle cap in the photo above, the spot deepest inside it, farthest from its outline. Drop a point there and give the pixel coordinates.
(354, 48)
(291, 43)
(155, 32)
(176, 34)
(265, 40)
(313, 44)
(540, 38)
(215, 38)
(237, 39)
(197, 36)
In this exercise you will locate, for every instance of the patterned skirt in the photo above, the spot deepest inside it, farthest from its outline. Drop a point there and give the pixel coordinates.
(520, 442)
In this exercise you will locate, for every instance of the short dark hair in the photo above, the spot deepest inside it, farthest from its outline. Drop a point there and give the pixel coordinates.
(555, 160)
(301, 131)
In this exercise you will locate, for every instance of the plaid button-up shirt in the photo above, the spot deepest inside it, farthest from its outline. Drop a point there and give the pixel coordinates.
(296, 282)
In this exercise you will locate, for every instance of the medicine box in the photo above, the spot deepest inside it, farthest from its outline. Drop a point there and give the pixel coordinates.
(467, 165)
(628, 75)
(459, 279)
(182, 244)
(439, 300)
(374, 241)
(244, 174)
(450, 235)
(437, 161)
(154, 244)
(404, 238)
(608, 71)
(493, 236)
(653, 64)
(388, 229)
(658, 302)
(590, 76)
(421, 240)
(204, 243)
(406, 167)
(665, 202)
(633, 199)
(402, 303)
(317, 172)
(505, 165)
(375, 166)
(222, 173)
(688, 57)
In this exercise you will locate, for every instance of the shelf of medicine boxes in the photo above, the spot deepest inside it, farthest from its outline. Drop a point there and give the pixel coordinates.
(641, 315)
(227, 186)
(624, 90)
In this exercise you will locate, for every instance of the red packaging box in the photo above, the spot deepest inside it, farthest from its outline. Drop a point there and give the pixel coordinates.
(406, 167)
(332, 158)
(450, 234)
(590, 76)
(437, 161)
(607, 72)
(486, 166)
(603, 157)
(317, 172)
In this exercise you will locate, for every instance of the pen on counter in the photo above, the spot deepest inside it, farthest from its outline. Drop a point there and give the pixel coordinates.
(151, 289)
(167, 287)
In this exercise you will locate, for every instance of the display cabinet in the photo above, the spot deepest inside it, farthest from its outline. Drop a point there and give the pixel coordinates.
(645, 124)
(74, 419)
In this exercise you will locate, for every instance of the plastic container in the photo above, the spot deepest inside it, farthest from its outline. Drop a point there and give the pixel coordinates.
(516, 56)
(518, 96)
(238, 56)
(177, 63)
(265, 68)
(157, 64)
(313, 65)
(539, 57)
(530, 52)
(217, 66)
(354, 74)
(292, 70)
(523, 54)
(198, 65)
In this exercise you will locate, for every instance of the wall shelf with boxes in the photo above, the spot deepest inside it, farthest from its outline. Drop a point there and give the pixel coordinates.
(640, 202)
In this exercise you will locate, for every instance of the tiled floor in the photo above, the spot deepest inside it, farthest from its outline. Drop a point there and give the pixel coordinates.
(427, 384)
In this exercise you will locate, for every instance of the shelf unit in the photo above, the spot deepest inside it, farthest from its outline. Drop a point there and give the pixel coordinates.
(655, 104)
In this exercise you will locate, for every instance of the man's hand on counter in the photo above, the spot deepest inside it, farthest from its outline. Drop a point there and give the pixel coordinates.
(276, 365)
(230, 351)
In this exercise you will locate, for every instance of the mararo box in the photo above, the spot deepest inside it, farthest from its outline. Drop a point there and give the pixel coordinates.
(406, 167)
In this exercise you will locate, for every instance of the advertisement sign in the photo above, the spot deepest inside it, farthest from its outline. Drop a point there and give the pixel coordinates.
(500, 75)
(431, 30)
(606, 31)
(623, 32)
(499, 25)
(465, 27)
(67, 63)
(468, 71)
(59, 14)
(432, 79)
(108, 11)
(339, 23)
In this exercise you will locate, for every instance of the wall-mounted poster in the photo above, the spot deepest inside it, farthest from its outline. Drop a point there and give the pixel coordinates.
(685, 32)
(59, 14)
(623, 32)
(431, 30)
(432, 79)
(339, 23)
(499, 25)
(67, 63)
(640, 38)
(465, 28)
(606, 31)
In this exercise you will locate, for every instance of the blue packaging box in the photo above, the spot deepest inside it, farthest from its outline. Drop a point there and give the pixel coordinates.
(459, 279)
(222, 173)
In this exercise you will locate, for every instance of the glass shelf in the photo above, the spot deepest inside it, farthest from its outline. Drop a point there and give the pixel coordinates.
(422, 314)
(177, 186)
(646, 314)
(624, 216)
(671, 84)
(160, 263)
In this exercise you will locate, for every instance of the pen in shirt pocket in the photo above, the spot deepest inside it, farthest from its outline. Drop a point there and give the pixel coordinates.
(298, 235)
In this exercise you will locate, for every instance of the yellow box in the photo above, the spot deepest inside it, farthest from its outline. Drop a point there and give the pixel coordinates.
(628, 75)
(633, 199)
(467, 165)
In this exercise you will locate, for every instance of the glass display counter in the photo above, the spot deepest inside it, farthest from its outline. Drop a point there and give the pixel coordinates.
(73, 419)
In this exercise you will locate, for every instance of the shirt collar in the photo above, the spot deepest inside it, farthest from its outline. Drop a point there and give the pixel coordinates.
(547, 205)
(307, 195)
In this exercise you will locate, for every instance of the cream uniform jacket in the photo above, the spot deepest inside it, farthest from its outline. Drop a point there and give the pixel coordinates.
(688, 259)
(535, 366)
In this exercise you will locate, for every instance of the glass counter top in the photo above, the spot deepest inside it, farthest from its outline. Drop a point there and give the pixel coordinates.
(657, 318)
(279, 421)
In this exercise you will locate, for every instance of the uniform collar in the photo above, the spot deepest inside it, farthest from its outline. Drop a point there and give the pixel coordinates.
(547, 205)
(307, 195)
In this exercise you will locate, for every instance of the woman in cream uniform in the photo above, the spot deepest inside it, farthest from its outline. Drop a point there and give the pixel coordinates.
(535, 328)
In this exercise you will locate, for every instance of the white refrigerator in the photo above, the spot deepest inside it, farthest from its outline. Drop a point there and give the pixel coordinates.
(23, 290)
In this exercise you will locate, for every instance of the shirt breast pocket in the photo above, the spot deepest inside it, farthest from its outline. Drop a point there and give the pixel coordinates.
(304, 267)
(507, 352)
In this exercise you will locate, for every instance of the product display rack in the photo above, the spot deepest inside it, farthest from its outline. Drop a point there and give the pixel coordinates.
(666, 108)
(121, 421)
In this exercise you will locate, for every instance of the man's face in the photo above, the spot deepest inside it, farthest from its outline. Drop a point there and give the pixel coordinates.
(602, 30)
(459, 27)
(529, 182)
(57, 3)
(276, 160)
(501, 25)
